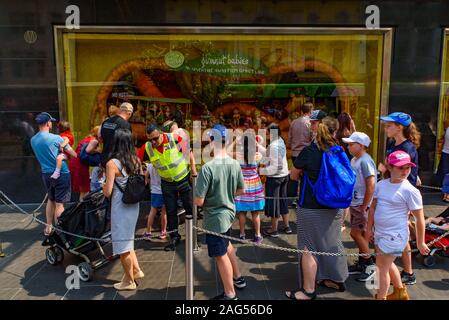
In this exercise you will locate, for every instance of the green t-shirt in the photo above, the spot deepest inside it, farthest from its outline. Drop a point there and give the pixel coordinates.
(217, 183)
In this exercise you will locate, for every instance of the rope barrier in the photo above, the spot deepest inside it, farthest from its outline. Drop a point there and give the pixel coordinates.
(291, 250)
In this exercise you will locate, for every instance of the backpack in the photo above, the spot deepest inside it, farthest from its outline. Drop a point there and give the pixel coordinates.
(91, 160)
(135, 189)
(335, 184)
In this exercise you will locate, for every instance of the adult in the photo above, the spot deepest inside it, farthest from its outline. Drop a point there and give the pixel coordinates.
(78, 170)
(299, 137)
(110, 125)
(318, 226)
(168, 153)
(46, 147)
(220, 180)
(276, 170)
(404, 136)
(123, 162)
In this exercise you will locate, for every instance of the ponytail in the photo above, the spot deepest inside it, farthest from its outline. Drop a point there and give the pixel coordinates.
(325, 133)
(412, 133)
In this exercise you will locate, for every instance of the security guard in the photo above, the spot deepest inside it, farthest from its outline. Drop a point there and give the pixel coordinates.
(168, 153)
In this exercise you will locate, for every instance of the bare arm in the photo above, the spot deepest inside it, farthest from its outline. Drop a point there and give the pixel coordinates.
(111, 171)
(192, 164)
(92, 146)
(370, 183)
(68, 149)
(239, 192)
(295, 174)
(198, 201)
(370, 226)
(420, 231)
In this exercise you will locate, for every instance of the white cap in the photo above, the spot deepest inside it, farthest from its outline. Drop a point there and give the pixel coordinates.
(358, 137)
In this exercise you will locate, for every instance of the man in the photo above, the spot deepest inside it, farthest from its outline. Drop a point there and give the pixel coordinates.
(46, 147)
(168, 153)
(299, 137)
(220, 180)
(108, 127)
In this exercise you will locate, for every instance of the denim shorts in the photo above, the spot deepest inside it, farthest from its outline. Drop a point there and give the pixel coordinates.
(217, 246)
(157, 200)
(58, 189)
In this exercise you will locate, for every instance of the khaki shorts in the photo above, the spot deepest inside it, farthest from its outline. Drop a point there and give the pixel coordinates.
(359, 219)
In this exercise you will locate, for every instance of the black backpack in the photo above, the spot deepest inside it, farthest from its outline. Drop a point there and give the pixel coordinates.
(134, 191)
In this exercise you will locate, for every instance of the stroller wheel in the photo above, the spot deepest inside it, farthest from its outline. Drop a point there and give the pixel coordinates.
(51, 256)
(59, 254)
(429, 261)
(85, 271)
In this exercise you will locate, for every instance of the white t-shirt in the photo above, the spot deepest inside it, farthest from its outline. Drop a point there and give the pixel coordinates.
(394, 201)
(155, 179)
(364, 167)
(446, 141)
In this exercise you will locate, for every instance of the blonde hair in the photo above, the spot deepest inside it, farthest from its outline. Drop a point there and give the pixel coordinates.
(94, 131)
(325, 133)
(412, 133)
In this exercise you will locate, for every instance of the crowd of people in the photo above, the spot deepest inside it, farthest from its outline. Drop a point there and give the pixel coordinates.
(247, 174)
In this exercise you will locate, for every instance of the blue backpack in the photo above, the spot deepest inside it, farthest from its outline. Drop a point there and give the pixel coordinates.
(335, 184)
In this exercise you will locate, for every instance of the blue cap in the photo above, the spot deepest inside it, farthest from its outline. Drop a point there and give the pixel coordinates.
(44, 117)
(398, 117)
(221, 129)
(317, 115)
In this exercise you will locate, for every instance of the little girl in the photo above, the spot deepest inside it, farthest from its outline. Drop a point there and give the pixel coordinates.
(157, 202)
(394, 198)
(66, 134)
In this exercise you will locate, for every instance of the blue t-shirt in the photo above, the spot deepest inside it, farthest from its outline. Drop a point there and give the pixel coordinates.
(46, 147)
(409, 147)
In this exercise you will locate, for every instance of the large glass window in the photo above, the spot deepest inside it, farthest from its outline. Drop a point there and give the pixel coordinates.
(242, 80)
(443, 119)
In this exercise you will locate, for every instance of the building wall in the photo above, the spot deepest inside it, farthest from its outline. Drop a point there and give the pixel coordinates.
(28, 73)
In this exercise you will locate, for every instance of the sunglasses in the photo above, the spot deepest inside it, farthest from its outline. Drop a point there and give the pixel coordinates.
(155, 139)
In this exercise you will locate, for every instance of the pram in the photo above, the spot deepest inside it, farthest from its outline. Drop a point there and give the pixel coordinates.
(441, 247)
(89, 217)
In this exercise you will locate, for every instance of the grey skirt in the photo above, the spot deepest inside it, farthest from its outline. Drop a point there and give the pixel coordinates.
(320, 230)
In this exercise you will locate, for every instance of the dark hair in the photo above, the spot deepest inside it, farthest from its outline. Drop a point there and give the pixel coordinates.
(249, 148)
(63, 126)
(307, 107)
(123, 150)
(274, 127)
(152, 127)
(344, 126)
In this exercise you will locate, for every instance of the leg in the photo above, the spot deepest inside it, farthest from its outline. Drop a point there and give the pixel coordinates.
(383, 263)
(233, 259)
(59, 208)
(185, 193)
(309, 269)
(82, 195)
(256, 222)
(242, 221)
(395, 276)
(50, 214)
(163, 220)
(127, 264)
(359, 239)
(226, 272)
(59, 158)
(170, 194)
(407, 259)
(150, 219)
(135, 262)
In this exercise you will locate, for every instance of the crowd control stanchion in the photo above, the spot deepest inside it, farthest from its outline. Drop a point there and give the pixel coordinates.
(2, 254)
(189, 257)
(195, 218)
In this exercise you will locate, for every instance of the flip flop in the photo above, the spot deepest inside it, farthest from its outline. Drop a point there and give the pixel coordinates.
(292, 294)
(341, 287)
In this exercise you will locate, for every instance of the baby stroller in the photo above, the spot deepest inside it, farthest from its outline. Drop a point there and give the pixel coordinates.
(89, 217)
(441, 247)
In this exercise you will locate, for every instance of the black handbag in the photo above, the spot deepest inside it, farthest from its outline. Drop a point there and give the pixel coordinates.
(135, 189)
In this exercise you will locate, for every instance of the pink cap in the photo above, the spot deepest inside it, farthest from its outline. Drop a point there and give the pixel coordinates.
(399, 159)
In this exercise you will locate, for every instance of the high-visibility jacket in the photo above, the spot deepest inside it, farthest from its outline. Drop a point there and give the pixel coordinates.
(171, 165)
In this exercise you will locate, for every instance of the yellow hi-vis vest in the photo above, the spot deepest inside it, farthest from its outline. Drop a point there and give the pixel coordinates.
(170, 165)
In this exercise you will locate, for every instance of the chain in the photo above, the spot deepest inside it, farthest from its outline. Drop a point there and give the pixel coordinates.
(316, 253)
(430, 187)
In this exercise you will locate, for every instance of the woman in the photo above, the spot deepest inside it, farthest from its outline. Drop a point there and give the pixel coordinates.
(79, 171)
(318, 226)
(123, 216)
(443, 166)
(276, 170)
(346, 127)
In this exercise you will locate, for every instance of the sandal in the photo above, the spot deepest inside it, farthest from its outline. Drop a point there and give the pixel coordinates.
(292, 294)
(339, 286)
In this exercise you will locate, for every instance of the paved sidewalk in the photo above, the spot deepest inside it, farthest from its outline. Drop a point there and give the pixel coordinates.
(25, 273)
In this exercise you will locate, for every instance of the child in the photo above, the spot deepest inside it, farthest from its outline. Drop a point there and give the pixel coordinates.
(394, 198)
(253, 199)
(66, 134)
(157, 202)
(366, 173)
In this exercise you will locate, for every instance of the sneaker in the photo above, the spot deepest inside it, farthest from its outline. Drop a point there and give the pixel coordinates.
(356, 268)
(242, 237)
(163, 235)
(273, 234)
(258, 240)
(147, 235)
(240, 282)
(408, 278)
(223, 296)
(367, 274)
(288, 230)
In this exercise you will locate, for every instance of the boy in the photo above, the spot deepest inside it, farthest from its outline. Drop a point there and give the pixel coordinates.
(365, 170)
(219, 181)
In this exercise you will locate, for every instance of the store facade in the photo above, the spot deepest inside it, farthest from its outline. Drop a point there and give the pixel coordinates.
(208, 67)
